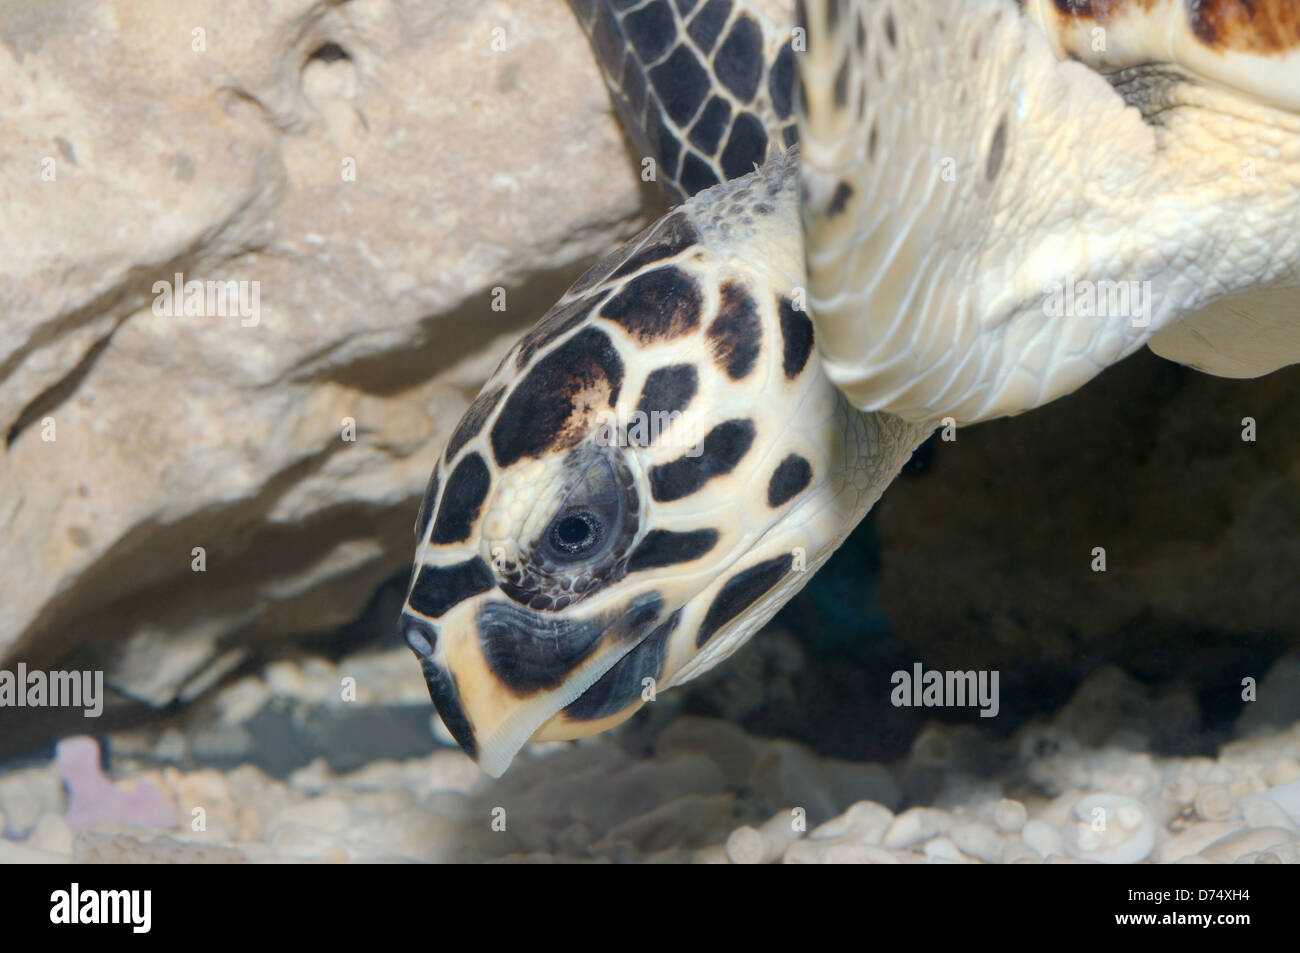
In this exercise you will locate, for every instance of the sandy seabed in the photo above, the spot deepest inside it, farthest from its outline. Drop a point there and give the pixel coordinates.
(1080, 786)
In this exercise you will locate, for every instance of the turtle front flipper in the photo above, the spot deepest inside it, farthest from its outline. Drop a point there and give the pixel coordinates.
(988, 225)
(703, 87)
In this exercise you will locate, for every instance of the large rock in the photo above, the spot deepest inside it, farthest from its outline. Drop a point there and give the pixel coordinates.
(374, 170)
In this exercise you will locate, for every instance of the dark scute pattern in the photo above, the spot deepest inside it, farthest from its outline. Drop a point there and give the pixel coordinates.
(467, 488)
(446, 699)
(739, 60)
(533, 651)
(682, 84)
(607, 36)
(780, 82)
(672, 236)
(741, 592)
(736, 336)
(789, 479)
(663, 547)
(663, 141)
(796, 337)
(475, 416)
(790, 134)
(709, 129)
(707, 25)
(536, 416)
(438, 588)
(621, 685)
(427, 503)
(657, 305)
(843, 192)
(746, 147)
(650, 29)
(667, 390)
(724, 446)
(634, 84)
(686, 6)
(697, 175)
(552, 327)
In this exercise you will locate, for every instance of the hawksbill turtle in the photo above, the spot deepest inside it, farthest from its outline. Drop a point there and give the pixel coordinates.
(879, 202)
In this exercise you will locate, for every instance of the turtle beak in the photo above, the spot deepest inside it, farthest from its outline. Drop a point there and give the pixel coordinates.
(496, 680)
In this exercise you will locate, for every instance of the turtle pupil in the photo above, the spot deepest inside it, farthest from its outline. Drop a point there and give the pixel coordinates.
(575, 533)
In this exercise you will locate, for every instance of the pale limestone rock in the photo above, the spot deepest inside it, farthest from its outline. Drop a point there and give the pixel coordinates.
(147, 139)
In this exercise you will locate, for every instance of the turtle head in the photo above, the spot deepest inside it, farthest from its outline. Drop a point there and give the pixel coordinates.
(650, 473)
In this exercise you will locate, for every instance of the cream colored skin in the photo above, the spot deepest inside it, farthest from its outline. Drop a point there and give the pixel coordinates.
(933, 286)
(854, 456)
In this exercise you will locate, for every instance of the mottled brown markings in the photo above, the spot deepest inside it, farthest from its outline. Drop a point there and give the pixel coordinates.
(427, 503)
(658, 305)
(475, 416)
(796, 337)
(740, 592)
(723, 448)
(671, 236)
(1248, 26)
(840, 198)
(437, 588)
(534, 651)
(789, 479)
(558, 321)
(558, 401)
(667, 390)
(467, 488)
(735, 336)
(663, 547)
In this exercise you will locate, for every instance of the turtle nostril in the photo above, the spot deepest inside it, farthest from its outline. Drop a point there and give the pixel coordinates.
(420, 636)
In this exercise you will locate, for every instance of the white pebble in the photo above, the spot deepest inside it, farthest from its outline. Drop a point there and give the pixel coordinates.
(1182, 790)
(1009, 815)
(1112, 829)
(713, 854)
(1228, 849)
(1214, 803)
(1042, 837)
(977, 840)
(864, 823)
(745, 846)
(941, 850)
(1196, 838)
(913, 826)
(1015, 851)
(1261, 811)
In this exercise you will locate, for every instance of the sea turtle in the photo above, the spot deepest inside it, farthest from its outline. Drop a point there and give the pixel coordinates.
(893, 214)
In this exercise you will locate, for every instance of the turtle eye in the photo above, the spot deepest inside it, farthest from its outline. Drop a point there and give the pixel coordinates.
(588, 522)
(576, 533)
